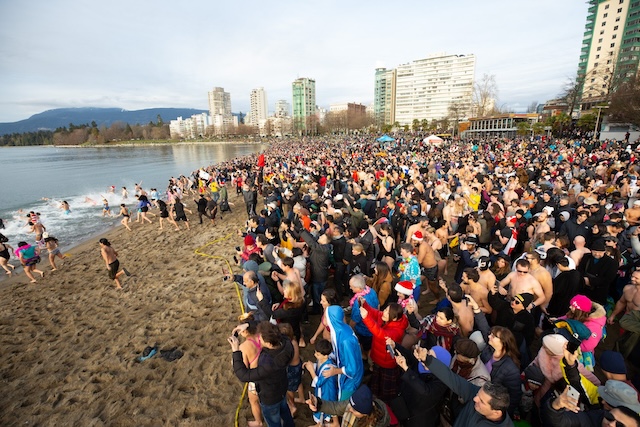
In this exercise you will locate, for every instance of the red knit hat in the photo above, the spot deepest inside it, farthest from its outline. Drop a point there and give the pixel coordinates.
(249, 240)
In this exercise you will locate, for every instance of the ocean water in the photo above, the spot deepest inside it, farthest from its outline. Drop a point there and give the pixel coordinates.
(28, 175)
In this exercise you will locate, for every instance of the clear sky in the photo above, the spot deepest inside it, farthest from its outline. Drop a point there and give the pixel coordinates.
(141, 54)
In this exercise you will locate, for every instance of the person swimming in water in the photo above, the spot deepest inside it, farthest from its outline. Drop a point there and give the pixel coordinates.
(65, 207)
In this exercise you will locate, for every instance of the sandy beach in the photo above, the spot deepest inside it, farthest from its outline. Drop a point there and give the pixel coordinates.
(69, 343)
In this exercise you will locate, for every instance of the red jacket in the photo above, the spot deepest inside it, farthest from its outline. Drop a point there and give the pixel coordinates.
(394, 330)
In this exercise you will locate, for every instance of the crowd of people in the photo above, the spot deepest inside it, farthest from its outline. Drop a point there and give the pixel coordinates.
(469, 284)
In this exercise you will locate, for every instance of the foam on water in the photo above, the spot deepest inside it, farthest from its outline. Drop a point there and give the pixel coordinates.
(84, 220)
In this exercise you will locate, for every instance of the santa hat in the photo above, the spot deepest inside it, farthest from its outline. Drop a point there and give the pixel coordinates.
(512, 219)
(417, 236)
(404, 287)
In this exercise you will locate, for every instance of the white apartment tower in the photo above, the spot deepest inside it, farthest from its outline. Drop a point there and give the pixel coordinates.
(258, 112)
(425, 88)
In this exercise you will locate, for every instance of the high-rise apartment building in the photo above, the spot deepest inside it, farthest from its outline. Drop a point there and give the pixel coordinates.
(219, 102)
(610, 48)
(220, 110)
(304, 104)
(425, 88)
(282, 108)
(384, 98)
(258, 112)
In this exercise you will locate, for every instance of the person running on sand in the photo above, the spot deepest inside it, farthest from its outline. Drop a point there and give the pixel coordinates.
(179, 209)
(51, 244)
(143, 209)
(164, 214)
(110, 257)
(5, 254)
(38, 228)
(126, 216)
(29, 257)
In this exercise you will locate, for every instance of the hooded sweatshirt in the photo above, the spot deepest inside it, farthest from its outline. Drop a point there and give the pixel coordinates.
(346, 350)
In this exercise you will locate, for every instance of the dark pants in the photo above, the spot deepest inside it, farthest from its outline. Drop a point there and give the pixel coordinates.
(316, 289)
(339, 280)
(278, 414)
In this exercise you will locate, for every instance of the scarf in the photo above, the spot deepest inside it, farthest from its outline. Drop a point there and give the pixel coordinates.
(462, 368)
(362, 293)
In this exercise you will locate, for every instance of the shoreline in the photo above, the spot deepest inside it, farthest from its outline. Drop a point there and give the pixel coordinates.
(70, 341)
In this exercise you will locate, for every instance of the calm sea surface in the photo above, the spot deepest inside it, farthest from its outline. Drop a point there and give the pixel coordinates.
(29, 174)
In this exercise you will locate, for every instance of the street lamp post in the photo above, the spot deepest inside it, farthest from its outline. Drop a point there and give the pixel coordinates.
(595, 129)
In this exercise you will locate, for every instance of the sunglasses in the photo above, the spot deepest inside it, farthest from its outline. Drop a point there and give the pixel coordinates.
(522, 271)
(610, 418)
(516, 301)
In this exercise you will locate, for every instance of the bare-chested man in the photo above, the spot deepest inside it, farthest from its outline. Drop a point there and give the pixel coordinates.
(630, 299)
(478, 292)
(419, 226)
(632, 215)
(542, 275)
(580, 243)
(520, 282)
(630, 321)
(487, 278)
(461, 307)
(427, 260)
(110, 257)
(38, 228)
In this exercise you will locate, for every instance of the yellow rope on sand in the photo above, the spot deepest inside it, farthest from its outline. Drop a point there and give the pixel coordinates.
(200, 253)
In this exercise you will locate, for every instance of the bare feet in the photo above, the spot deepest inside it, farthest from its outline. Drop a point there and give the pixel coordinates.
(254, 423)
(302, 344)
(54, 269)
(41, 273)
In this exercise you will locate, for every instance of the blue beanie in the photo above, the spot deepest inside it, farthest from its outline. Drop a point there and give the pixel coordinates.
(441, 354)
(362, 400)
(613, 362)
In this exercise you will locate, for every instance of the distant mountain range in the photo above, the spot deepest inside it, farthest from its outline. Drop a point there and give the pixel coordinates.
(53, 119)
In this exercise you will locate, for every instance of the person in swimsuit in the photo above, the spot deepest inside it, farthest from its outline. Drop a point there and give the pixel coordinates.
(106, 210)
(125, 193)
(250, 349)
(29, 257)
(110, 257)
(51, 243)
(143, 209)
(38, 228)
(126, 216)
(5, 254)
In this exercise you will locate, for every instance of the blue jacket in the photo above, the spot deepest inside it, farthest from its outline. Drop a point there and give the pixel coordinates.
(346, 350)
(372, 299)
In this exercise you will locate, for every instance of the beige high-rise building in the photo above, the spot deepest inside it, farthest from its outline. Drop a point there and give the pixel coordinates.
(258, 112)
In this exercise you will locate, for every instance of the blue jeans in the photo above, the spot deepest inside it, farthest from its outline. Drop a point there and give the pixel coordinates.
(316, 290)
(277, 415)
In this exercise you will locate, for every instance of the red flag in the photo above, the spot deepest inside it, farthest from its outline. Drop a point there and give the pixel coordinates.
(261, 161)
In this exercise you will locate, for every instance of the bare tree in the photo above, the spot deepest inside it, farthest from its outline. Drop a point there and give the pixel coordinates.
(533, 107)
(625, 103)
(485, 94)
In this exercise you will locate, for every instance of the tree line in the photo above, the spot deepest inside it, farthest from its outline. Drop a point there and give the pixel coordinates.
(89, 134)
